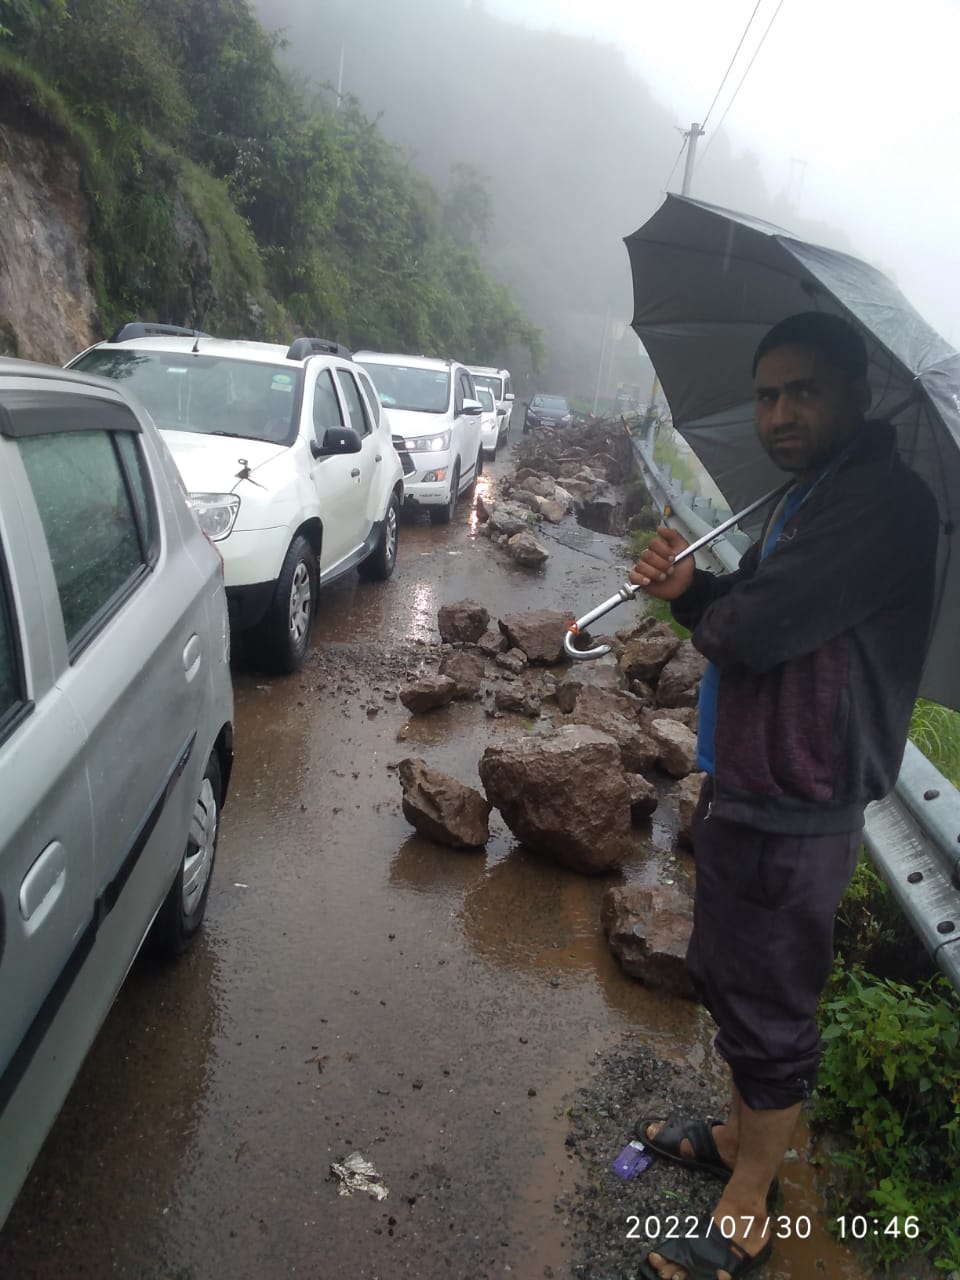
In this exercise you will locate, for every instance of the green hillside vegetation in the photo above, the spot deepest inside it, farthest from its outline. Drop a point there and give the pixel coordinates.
(225, 193)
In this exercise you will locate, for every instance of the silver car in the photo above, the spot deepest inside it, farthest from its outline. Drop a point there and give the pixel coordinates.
(116, 726)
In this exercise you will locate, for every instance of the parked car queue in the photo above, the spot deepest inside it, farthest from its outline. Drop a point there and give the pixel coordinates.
(164, 487)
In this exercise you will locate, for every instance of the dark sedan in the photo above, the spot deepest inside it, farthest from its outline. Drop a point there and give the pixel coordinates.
(547, 411)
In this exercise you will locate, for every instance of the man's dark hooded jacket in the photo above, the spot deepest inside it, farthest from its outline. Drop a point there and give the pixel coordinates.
(820, 647)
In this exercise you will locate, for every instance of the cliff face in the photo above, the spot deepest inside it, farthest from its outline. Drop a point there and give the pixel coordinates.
(48, 311)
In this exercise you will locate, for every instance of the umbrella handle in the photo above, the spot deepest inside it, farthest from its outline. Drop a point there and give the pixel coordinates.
(629, 589)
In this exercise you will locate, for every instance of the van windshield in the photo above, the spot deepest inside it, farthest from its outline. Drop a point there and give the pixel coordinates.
(490, 380)
(410, 387)
(207, 394)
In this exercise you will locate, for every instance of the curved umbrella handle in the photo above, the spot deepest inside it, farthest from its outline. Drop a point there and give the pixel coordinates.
(628, 590)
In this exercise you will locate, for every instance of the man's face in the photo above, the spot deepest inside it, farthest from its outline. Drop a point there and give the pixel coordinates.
(807, 410)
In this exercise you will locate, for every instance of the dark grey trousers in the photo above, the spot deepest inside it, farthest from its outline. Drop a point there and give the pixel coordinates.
(762, 948)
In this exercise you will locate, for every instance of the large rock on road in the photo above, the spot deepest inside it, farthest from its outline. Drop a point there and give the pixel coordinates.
(539, 633)
(565, 796)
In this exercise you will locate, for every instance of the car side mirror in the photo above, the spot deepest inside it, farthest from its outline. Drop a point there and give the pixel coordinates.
(471, 408)
(336, 440)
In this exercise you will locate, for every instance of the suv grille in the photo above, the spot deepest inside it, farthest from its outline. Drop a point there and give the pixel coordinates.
(405, 460)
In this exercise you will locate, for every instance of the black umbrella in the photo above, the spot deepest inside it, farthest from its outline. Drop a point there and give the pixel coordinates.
(709, 283)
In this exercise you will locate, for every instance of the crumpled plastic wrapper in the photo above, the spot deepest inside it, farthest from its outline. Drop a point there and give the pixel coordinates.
(356, 1173)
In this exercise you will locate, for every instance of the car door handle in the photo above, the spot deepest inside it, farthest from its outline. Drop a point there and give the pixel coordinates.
(355, 473)
(379, 458)
(43, 885)
(192, 653)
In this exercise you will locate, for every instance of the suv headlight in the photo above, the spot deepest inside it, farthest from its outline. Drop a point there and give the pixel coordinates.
(217, 513)
(428, 444)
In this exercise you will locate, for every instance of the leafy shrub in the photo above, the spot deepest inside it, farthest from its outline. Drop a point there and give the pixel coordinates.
(890, 1079)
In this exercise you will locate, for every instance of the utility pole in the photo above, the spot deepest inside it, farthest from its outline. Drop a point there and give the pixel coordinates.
(340, 80)
(691, 135)
(603, 351)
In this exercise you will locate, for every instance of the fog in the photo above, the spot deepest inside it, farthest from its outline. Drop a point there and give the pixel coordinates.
(573, 145)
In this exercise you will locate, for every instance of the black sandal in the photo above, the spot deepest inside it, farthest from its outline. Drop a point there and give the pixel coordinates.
(699, 1133)
(702, 1256)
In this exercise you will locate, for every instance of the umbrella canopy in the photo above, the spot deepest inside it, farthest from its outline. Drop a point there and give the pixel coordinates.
(709, 283)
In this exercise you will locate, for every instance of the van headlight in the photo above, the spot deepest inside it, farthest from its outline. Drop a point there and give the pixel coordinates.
(217, 513)
(428, 444)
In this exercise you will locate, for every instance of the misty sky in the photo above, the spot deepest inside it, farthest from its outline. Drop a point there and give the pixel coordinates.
(851, 106)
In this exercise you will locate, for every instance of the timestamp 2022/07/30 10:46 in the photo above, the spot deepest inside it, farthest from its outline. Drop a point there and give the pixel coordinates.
(855, 1226)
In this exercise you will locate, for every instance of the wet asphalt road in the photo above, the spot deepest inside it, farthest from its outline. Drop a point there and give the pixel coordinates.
(356, 989)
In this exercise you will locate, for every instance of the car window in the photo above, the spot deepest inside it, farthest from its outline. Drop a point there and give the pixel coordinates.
(138, 485)
(410, 387)
(358, 414)
(485, 396)
(326, 406)
(372, 398)
(488, 380)
(187, 391)
(83, 496)
(11, 692)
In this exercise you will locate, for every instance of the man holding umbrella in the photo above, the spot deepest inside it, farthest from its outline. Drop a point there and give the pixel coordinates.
(815, 647)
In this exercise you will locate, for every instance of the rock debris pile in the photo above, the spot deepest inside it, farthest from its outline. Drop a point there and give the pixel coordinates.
(596, 743)
(592, 741)
(560, 473)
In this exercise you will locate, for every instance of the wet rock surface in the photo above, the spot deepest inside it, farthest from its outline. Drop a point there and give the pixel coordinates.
(537, 633)
(648, 931)
(466, 670)
(564, 796)
(428, 693)
(442, 808)
(462, 621)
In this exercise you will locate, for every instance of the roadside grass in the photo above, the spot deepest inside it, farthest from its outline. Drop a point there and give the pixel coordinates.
(935, 730)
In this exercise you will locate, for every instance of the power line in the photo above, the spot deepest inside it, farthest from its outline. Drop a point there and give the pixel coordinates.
(740, 85)
(732, 61)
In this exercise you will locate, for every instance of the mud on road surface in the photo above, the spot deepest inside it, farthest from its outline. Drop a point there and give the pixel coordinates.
(359, 989)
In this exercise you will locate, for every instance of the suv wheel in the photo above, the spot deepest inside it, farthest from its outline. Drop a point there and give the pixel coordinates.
(379, 563)
(179, 919)
(282, 637)
(443, 515)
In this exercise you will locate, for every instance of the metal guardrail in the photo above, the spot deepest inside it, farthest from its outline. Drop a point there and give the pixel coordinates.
(913, 835)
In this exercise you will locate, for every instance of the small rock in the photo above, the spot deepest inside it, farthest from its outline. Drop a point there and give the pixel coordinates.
(526, 550)
(428, 693)
(464, 621)
(514, 660)
(648, 931)
(466, 670)
(678, 746)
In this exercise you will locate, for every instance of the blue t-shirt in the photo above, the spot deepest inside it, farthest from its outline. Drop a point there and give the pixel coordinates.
(710, 684)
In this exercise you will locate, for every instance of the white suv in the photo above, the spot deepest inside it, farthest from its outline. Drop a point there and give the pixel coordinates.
(287, 459)
(435, 414)
(498, 381)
